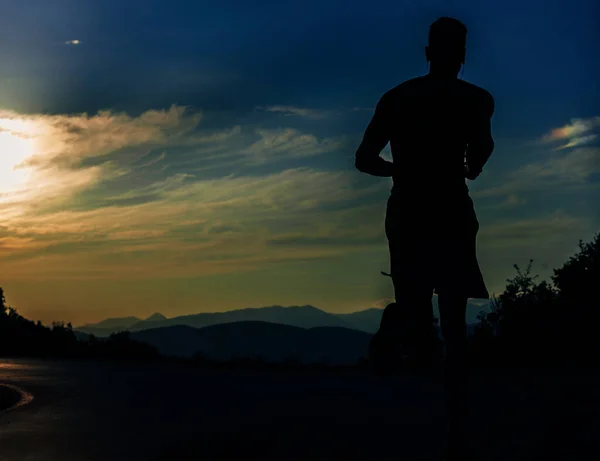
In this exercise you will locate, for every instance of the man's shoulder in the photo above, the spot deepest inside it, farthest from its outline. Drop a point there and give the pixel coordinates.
(417, 86)
(477, 93)
(422, 82)
(404, 88)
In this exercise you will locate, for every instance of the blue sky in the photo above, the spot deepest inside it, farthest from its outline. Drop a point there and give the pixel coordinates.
(219, 137)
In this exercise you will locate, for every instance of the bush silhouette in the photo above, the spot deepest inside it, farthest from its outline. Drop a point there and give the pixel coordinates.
(20, 337)
(544, 323)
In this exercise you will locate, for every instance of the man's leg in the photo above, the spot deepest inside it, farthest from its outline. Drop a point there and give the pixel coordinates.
(405, 328)
(411, 316)
(454, 331)
(419, 311)
(413, 302)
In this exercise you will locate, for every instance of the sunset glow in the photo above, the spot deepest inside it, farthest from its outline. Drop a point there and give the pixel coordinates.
(17, 144)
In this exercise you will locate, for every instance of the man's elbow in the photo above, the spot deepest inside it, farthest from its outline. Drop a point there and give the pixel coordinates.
(360, 163)
(490, 146)
(483, 148)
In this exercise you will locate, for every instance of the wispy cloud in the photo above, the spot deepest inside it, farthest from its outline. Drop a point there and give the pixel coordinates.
(576, 133)
(154, 160)
(577, 165)
(192, 228)
(297, 111)
(527, 232)
(48, 159)
(513, 200)
(288, 142)
(557, 170)
(91, 192)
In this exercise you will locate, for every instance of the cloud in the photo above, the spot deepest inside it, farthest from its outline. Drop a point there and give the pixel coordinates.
(314, 114)
(577, 165)
(555, 171)
(18, 243)
(93, 192)
(297, 111)
(288, 143)
(154, 160)
(577, 133)
(66, 140)
(531, 231)
(47, 160)
(513, 200)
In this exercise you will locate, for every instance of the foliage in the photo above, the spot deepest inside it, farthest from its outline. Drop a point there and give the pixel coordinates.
(20, 337)
(545, 323)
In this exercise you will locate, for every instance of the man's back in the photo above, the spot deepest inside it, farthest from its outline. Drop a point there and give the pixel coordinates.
(431, 124)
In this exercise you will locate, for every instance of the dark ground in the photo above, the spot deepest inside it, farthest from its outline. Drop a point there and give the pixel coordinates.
(118, 412)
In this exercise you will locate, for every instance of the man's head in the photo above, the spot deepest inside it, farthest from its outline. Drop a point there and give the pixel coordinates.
(447, 45)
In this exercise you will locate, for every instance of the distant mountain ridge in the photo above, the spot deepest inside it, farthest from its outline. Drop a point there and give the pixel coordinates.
(306, 316)
(113, 325)
(300, 316)
(156, 317)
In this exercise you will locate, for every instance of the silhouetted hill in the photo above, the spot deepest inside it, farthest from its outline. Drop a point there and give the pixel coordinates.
(299, 316)
(156, 317)
(112, 324)
(256, 339)
(81, 336)
(367, 320)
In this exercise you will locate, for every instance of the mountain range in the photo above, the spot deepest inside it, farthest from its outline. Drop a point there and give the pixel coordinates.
(274, 333)
(299, 316)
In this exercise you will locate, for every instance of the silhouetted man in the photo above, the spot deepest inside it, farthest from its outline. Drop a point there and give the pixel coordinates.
(439, 130)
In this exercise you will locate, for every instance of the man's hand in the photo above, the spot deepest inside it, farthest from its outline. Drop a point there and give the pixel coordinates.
(374, 165)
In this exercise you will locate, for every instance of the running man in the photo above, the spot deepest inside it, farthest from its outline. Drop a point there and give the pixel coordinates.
(439, 130)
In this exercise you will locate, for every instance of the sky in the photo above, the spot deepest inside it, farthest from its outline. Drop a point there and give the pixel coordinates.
(198, 156)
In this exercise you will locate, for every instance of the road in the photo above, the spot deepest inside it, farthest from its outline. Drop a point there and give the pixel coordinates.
(118, 412)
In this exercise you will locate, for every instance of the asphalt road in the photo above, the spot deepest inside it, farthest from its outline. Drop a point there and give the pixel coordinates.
(93, 411)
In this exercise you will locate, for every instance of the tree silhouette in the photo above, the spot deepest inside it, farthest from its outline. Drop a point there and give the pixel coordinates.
(21, 337)
(545, 323)
(577, 282)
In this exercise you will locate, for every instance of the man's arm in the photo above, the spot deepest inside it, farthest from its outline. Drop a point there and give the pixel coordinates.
(480, 145)
(376, 137)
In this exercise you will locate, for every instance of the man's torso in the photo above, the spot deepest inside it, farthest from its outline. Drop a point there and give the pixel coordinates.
(429, 122)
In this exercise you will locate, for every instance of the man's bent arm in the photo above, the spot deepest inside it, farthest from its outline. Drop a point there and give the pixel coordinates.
(376, 137)
(481, 143)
